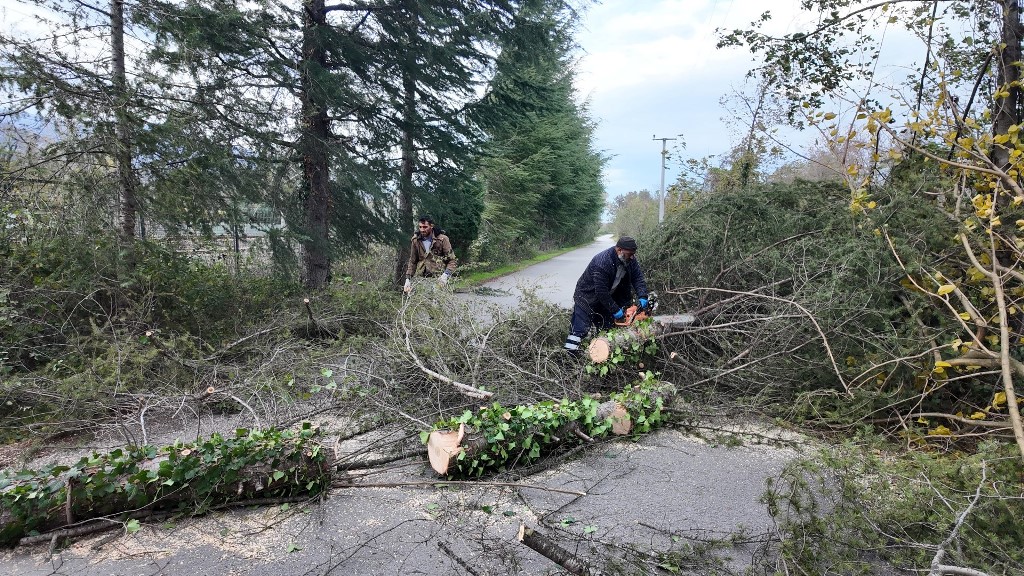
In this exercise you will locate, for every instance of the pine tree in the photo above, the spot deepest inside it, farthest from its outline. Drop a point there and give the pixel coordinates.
(541, 170)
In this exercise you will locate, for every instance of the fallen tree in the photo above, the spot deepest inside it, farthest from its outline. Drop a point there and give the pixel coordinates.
(634, 341)
(499, 438)
(190, 477)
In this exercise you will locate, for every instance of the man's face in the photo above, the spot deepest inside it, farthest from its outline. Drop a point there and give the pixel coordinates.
(425, 229)
(625, 255)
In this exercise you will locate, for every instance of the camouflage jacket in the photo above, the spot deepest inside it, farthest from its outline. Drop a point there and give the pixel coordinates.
(440, 258)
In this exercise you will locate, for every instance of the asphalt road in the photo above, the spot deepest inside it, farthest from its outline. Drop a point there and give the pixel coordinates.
(652, 494)
(552, 280)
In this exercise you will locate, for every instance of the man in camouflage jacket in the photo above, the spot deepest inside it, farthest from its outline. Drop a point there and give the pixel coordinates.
(430, 255)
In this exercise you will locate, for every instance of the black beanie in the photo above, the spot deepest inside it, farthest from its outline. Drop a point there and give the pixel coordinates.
(626, 243)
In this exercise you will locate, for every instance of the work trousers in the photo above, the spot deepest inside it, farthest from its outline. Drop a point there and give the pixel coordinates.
(584, 317)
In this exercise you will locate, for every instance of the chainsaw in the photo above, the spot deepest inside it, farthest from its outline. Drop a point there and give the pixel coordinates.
(634, 313)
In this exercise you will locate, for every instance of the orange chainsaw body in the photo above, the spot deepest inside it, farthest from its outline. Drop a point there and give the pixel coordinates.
(632, 315)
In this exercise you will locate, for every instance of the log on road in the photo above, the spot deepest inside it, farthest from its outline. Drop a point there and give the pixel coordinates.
(633, 337)
(496, 438)
(189, 478)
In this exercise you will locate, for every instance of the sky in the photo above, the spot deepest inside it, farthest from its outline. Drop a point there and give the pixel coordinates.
(650, 68)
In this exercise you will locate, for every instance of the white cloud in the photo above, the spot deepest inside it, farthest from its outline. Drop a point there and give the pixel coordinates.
(652, 68)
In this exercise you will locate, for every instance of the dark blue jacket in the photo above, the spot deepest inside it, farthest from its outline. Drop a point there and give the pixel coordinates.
(594, 287)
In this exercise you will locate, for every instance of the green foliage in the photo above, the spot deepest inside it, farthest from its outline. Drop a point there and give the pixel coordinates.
(844, 46)
(187, 477)
(541, 171)
(66, 287)
(848, 509)
(630, 347)
(524, 434)
(787, 245)
(634, 214)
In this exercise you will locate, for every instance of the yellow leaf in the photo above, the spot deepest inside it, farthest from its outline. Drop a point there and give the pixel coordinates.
(946, 289)
(999, 399)
(940, 431)
(943, 364)
(829, 116)
(921, 420)
(978, 416)
(965, 315)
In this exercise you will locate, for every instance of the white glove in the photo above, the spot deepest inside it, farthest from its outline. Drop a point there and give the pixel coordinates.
(443, 280)
(408, 286)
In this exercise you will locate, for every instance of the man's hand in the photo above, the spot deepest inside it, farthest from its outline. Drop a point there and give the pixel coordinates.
(408, 286)
(443, 280)
(643, 303)
(618, 315)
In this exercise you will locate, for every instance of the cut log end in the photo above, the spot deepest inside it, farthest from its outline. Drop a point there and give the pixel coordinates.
(622, 424)
(599, 350)
(442, 446)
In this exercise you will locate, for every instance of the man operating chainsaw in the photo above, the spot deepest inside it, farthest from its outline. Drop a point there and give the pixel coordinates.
(604, 289)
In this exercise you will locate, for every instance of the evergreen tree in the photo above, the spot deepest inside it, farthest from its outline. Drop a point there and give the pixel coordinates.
(68, 76)
(431, 58)
(291, 83)
(541, 171)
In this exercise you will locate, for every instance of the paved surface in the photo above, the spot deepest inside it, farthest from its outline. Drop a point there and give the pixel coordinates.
(552, 280)
(649, 494)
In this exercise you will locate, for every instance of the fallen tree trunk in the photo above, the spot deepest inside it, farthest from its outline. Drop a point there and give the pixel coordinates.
(182, 477)
(634, 337)
(495, 438)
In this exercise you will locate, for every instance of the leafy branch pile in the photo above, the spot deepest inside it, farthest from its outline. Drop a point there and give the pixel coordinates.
(185, 477)
(784, 292)
(854, 506)
(500, 438)
(628, 346)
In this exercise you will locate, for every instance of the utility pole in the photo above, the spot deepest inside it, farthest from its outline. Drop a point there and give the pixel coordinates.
(661, 198)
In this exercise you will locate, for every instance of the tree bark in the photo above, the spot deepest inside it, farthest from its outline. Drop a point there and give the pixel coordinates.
(1007, 108)
(315, 126)
(129, 200)
(601, 347)
(110, 489)
(409, 121)
(547, 548)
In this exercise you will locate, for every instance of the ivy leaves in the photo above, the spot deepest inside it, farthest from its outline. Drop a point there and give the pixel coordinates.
(192, 477)
(505, 437)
